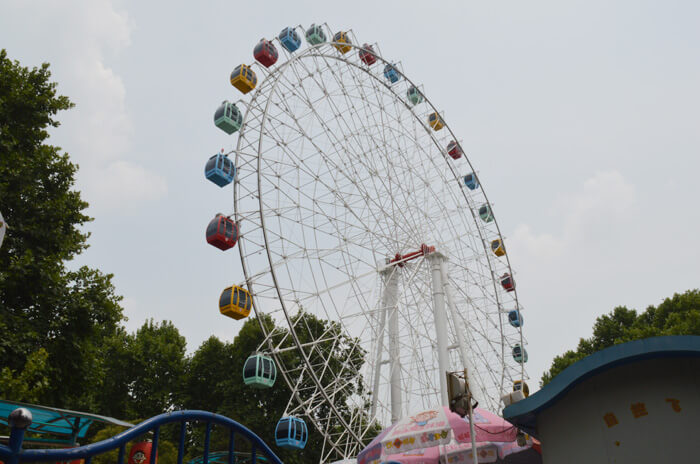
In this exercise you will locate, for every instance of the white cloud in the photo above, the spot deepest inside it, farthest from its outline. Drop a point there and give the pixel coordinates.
(121, 185)
(604, 202)
(86, 37)
(100, 125)
(589, 218)
(571, 272)
(543, 245)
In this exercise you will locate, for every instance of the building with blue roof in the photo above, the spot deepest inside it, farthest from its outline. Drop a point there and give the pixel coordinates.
(637, 402)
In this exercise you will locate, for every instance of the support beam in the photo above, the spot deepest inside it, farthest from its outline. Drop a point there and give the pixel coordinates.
(390, 300)
(458, 325)
(436, 260)
(380, 341)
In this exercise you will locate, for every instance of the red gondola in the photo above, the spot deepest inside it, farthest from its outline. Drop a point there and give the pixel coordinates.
(265, 52)
(367, 55)
(454, 150)
(507, 282)
(222, 232)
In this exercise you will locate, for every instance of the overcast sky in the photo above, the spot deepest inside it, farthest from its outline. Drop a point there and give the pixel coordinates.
(582, 118)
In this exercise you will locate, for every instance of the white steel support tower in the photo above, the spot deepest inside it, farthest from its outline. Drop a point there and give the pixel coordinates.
(436, 261)
(388, 326)
(389, 304)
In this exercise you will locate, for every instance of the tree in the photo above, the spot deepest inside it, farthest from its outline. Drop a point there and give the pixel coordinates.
(156, 366)
(678, 315)
(114, 399)
(43, 304)
(209, 376)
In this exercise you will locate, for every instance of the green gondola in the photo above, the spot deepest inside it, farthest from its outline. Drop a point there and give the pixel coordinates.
(259, 371)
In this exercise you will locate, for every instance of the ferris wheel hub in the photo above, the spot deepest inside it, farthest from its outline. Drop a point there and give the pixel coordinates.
(400, 259)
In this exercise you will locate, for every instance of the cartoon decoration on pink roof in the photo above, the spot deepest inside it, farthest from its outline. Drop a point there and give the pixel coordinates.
(423, 417)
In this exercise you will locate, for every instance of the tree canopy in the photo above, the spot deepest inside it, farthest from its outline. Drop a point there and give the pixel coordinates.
(48, 311)
(678, 315)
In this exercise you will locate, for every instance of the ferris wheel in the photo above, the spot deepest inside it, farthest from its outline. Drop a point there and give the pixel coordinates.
(354, 203)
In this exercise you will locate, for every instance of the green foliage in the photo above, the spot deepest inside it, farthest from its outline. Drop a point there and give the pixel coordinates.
(142, 372)
(157, 367)
(44, 305)
(29, 384)
(678, 315)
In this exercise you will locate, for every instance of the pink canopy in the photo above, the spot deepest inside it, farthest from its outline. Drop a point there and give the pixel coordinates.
(461, 453)
(452, 453)
(435, 428)
(440, 426)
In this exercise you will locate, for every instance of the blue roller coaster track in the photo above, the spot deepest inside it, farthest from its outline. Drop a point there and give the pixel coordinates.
(20, 419)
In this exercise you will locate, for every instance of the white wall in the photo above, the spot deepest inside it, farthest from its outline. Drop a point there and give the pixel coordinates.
(574, 430)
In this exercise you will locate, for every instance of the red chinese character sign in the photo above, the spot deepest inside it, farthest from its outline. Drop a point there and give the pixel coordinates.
(638, 410)
(675, 404)
(610, 420)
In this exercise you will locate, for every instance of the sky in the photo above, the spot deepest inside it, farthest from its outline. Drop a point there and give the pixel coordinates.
(581, 117)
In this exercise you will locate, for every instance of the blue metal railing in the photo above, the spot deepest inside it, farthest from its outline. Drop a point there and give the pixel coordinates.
(13, 454)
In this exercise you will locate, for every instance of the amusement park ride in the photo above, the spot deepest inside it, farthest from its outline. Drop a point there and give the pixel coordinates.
(352, 202)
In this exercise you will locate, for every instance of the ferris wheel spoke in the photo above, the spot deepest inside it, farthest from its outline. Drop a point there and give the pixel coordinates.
(326, 186)
(335, 166)
(338, 112)
(388, 150)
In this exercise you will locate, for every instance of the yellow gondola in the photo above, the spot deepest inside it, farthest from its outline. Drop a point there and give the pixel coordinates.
(436, 121)
(520, 385)
(342, 38)
(235, 302)
(243, 78)
(498, 248)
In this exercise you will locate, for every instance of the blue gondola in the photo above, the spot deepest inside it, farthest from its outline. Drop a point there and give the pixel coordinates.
(519, 354)
(471, 181)
(228, 117)
(220, 170)
(391, 73)
(290, 39)
(515, 318)
(291, 433)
